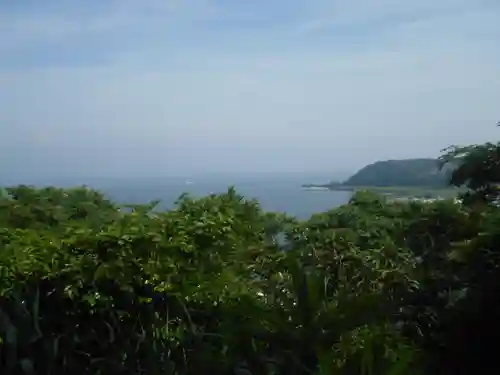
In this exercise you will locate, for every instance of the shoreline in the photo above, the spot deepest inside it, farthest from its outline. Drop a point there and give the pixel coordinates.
(393, 191)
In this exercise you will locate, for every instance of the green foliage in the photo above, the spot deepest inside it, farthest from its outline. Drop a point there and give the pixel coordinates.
(478, 169)
(216, 285)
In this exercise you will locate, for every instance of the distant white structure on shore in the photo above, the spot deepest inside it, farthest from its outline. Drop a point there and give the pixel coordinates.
(424, 200)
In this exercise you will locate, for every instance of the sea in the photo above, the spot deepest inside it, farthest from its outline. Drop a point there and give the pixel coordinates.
(276, 194)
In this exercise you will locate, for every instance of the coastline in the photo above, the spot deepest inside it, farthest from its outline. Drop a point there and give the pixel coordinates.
(393, 191)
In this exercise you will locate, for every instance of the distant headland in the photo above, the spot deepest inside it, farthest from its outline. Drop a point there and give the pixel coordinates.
(404, 177)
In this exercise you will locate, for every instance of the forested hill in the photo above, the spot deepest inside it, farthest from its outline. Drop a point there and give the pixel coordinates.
(407, 172)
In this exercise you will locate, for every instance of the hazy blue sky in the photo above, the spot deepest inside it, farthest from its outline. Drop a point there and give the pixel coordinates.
(148, 87)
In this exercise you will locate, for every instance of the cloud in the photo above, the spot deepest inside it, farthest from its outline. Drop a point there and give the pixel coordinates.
(358, 13)
(110, 31)
(165, 87)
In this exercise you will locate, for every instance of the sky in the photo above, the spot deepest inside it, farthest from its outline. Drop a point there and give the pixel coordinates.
(128, 88)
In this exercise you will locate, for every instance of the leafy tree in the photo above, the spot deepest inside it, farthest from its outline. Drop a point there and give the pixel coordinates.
(478, 168)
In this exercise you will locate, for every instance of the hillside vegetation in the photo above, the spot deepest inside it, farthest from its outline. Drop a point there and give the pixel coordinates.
(407, 172)
(371, 287)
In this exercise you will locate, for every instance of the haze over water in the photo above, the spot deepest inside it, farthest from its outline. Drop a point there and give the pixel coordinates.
(274, 194)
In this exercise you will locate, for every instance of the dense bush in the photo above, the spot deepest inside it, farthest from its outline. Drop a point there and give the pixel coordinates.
(372, 287)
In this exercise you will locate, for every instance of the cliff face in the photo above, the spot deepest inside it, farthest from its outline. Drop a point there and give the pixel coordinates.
(407, 172)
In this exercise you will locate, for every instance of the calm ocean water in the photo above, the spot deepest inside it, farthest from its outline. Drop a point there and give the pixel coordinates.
(273, 194)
